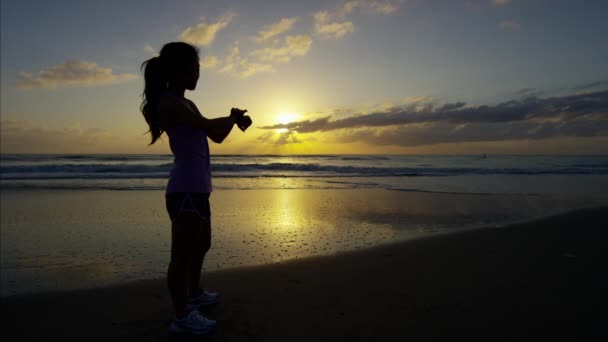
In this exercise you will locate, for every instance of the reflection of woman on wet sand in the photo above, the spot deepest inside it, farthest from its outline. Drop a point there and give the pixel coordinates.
(165, 109)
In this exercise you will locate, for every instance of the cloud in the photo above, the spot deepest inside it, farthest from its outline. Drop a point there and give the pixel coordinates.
(509, 24)
(325, 28)
(294, 46)
(275, 29)
(528, 92)
(71, 73)
(232, 60)
(149, 49)
(423, 122)
(500, 2)
(326, 24)
(20, 136)
(382, 7)
(333, 24)
(237, 65)
(204, 33)
(209, 62)
(280, 138)
(525, 91)
(596, 84)
(439, 133)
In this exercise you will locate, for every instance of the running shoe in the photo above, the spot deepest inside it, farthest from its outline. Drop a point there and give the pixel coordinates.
(204, 299)
(194, 323)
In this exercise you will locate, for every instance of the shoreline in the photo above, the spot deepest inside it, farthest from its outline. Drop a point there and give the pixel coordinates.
(364, 249)
(545, 276)
(87, 239)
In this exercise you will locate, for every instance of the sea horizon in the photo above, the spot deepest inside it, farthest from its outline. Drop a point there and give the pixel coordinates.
(334, 154)
(440, 173)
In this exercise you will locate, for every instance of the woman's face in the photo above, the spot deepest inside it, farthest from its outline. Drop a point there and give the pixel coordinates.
(192, 75)
(188, 77)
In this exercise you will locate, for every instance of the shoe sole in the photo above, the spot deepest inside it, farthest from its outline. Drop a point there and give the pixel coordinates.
(190, 332)
(198, 305)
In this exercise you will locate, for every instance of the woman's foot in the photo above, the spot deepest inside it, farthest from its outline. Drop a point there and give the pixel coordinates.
(193, 323)
(204, 298)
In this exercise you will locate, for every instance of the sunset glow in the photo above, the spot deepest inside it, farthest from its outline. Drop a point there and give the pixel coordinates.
(285, 118)
(354, 76)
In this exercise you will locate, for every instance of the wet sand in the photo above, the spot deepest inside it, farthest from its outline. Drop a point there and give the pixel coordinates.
(61, 240)
(541, 280)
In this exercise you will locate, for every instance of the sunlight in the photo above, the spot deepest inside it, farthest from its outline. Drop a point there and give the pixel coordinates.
(286, 117)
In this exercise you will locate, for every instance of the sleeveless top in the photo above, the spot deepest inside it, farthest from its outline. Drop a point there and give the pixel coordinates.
(191, 164)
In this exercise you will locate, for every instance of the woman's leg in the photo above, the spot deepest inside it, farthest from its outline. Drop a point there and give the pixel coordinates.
(199, 248)
(184, 230)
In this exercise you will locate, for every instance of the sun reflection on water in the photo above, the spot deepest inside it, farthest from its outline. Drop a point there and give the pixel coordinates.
(128, 237)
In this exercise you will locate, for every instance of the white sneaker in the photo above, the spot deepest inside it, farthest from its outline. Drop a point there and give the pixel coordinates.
(204, 299)
(193, 323)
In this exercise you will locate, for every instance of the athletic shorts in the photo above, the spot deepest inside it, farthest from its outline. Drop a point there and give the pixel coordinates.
(197, 202)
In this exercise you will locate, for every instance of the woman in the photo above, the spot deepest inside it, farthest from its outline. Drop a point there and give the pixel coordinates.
(165, 109)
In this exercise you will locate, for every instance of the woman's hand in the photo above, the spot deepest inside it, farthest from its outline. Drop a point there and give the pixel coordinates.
(237, 113)
(244, 123)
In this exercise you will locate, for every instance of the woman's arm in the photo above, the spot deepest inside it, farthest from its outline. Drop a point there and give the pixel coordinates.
(221, 127)
(172, 112)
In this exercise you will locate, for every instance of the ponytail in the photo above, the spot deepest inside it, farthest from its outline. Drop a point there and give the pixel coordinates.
(173, 58)
(155, 77)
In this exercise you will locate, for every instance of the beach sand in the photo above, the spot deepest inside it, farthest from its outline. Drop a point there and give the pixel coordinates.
(61, 240)
(543, 280)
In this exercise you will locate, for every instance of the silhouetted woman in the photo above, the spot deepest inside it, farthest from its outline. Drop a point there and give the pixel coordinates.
(165, 109)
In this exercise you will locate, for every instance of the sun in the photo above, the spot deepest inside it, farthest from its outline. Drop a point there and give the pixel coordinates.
(284, 118)
(287, 117)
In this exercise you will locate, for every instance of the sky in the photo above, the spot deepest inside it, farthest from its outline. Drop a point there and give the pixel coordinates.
(317, 77)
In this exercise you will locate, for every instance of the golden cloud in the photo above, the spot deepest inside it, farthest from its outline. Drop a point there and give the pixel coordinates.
(331, 29)
(25, 136)
(294, 46)
(334, 30)
(382, 7)
(71, 73)
(275, 29)
(204, 33)
(237, 65)
(209, 62)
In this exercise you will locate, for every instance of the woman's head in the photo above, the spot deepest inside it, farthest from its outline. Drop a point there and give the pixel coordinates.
(180, 61)
(176, 67)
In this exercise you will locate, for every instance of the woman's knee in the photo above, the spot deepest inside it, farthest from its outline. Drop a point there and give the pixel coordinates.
(184, 230)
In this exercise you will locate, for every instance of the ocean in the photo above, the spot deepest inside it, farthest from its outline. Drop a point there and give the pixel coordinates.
(493, 174)
(80, 221)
